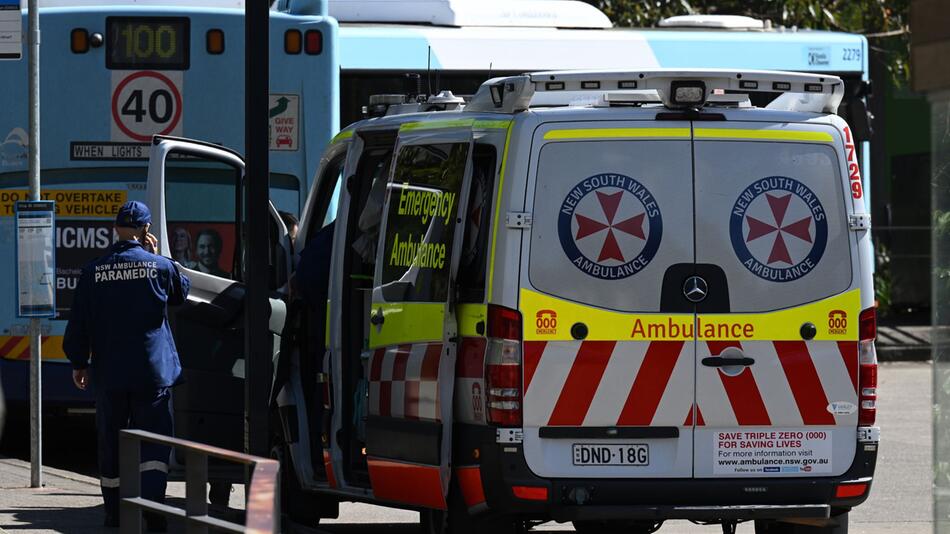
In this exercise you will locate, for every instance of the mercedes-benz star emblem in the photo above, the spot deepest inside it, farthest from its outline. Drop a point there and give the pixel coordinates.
(695, 289)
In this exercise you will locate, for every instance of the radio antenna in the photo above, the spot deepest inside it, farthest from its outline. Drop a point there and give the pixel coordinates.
(490, 69)
(429, 70)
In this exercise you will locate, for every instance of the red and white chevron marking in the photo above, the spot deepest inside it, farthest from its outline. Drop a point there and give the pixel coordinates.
(790, 384)
(610, 383)
(403, 381)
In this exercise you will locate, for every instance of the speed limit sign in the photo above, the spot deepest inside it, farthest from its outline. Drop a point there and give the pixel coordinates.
(145, 103)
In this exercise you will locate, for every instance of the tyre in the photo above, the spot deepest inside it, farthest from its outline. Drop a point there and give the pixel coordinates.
(616, 527)
(774, 527)
(296, 506)
(456, 520)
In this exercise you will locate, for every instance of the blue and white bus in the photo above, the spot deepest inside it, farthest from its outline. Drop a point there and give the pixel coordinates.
(116, 72)
(112, 75)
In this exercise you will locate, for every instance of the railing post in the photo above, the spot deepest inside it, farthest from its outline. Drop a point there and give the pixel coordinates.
(276, 505)
(130, 483)
(196, 487)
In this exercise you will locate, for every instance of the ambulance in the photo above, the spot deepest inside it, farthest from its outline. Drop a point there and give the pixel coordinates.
(606, 298)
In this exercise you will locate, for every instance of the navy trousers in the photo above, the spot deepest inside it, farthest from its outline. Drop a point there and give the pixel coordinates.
(143, 410)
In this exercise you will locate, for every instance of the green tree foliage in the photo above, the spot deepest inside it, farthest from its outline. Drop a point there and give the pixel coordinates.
(884, 22)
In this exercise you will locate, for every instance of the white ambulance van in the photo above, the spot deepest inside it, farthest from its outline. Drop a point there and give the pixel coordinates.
(606, 298)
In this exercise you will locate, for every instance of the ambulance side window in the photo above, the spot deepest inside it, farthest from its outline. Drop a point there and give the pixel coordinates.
(473, 264)
(200, 200)
(420, 222)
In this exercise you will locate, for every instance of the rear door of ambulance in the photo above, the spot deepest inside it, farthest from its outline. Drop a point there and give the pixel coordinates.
(776, 362)
(608, 355)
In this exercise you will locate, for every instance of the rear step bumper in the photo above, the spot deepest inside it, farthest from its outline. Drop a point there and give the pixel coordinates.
(695, 513)
(503, 466)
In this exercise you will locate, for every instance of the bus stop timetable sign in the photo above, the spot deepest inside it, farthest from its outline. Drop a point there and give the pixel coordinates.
(36, 262)
(11, 28)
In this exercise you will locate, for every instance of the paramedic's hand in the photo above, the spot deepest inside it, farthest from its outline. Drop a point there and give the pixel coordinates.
(81, 378)
(151, 243)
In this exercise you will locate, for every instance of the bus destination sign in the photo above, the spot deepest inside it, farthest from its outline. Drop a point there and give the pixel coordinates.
(159, 43)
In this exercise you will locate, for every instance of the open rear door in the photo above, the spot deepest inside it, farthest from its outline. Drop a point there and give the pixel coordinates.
(777, 387)
(412, 341)
(195, 194)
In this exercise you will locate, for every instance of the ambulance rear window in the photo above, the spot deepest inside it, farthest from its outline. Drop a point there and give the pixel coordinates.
(773, 216)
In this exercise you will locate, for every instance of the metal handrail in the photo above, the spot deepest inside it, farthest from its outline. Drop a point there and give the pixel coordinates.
(261, 515)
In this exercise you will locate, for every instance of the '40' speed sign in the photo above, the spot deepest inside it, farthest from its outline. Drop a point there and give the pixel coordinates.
(145, 103)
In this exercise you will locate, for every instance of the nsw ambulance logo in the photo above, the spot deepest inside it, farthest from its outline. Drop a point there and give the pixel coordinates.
(610, 226)
(778, 229)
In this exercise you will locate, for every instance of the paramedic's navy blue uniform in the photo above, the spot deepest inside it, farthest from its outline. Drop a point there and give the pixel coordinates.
(118, 320)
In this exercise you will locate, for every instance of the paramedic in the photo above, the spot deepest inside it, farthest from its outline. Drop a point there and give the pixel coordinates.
(120, 344)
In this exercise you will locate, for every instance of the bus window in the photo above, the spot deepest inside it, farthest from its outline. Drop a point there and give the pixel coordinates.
(285, 192)
(200, 209)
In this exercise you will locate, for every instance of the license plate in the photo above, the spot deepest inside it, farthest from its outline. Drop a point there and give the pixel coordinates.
(613, 454)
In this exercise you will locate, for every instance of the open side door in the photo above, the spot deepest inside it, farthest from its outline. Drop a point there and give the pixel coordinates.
(196, 197)
(413, 332)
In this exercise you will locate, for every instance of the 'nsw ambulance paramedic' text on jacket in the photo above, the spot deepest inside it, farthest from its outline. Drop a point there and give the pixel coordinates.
(118, 319)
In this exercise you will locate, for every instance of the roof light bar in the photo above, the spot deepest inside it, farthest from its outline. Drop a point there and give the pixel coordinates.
(676, 88)
(827, 88)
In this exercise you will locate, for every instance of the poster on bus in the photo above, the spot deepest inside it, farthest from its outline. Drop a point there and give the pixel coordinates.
(203, 246)
(78, 242)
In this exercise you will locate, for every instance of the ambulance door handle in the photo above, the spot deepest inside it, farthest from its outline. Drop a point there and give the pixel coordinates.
(377, 318)
(716, 361)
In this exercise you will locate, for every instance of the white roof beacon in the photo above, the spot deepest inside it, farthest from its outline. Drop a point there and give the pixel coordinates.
(676, 89)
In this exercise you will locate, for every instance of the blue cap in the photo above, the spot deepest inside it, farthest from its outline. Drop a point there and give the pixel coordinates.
(133, 214)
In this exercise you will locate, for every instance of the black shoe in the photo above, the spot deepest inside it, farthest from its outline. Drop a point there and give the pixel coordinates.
(156, 523)
(111, 521)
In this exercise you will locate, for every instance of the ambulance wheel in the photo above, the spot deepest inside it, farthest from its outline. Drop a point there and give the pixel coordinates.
(456, 520)
(775, 527)
(294, 503)
(434, 522)
(616, 527)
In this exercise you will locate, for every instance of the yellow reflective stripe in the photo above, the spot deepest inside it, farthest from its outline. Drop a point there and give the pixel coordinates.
(432, 125)
(407, 322)
(785, 325)
(18, 348)
(770, 135)
(482, 124)
(342, 136)
(622, 133)
(468, 316)
(326, 329)
(548, 318)
(494, 226)
(456, 123)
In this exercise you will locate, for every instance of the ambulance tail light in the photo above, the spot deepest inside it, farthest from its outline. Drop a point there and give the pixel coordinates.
(503, 366)
(867, 374)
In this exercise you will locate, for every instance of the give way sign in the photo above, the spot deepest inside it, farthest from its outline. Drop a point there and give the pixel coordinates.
(146, 103)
